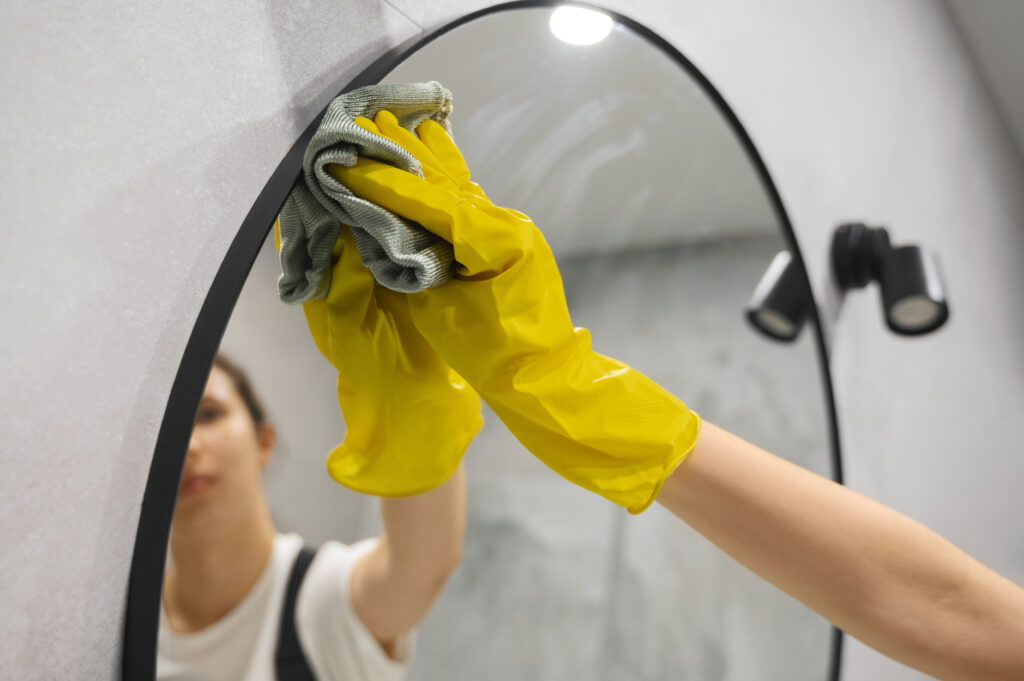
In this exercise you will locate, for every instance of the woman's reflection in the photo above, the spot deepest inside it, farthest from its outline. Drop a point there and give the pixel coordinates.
(226, 610)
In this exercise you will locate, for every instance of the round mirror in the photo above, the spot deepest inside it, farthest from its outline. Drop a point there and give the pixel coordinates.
(662, 229)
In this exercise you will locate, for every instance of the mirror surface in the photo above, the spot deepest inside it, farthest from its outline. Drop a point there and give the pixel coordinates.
(662, 231)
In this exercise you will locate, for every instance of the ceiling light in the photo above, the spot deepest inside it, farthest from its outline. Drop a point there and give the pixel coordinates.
(579, 26)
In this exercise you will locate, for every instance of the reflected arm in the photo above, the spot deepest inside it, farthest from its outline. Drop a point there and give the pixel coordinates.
(394, 585)
(878, 575)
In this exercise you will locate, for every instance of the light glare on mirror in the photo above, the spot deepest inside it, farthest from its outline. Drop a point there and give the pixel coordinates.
(579, 26)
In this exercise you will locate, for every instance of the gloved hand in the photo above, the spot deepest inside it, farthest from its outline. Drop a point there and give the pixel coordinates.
(504, 325)
(409, 417)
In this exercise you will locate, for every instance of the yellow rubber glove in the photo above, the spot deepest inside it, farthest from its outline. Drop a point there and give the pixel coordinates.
(409, 417)
(504, 325)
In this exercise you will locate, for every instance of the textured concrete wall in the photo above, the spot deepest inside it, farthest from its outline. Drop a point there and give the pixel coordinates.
(136, 138)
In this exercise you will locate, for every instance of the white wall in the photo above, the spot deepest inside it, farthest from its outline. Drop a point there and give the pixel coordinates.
(991, 31)
(137, 137)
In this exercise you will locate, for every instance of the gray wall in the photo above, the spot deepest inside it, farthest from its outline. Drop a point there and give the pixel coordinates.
(136, 138)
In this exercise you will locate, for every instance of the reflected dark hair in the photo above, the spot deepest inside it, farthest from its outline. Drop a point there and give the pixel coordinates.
(243, 385)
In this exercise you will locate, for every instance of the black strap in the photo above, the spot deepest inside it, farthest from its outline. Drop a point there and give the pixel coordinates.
(290, 662)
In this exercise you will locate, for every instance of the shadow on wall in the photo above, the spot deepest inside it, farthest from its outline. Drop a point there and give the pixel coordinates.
(297, 27)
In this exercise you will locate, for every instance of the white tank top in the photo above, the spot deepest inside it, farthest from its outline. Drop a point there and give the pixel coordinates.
(241, 644)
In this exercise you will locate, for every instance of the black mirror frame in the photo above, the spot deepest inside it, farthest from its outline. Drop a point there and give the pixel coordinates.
(145, 582)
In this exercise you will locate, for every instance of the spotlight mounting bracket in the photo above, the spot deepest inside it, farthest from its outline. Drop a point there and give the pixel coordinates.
(858, 252)
(909, 281)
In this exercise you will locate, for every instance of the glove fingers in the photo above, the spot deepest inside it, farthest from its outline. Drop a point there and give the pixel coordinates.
(443, 148)
(393, 132)
(390, 128)
(405, 194)
(432, 167)
(367, 125)
(441, 160)
(441, 144)
(486, 239)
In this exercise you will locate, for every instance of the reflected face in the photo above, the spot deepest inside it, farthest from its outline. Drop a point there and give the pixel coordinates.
(227, 451)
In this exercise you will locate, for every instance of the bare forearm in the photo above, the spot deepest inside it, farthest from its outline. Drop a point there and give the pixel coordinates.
(424, 533)
(879, 575)
(394, 586)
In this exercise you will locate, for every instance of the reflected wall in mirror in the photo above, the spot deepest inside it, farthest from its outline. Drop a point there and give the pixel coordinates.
(661, 230)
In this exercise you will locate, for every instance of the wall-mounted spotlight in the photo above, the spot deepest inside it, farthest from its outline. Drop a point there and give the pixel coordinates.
(913, 295)
(779, 305)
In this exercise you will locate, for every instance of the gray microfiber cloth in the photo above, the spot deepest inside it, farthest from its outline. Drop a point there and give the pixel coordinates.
(402, 255)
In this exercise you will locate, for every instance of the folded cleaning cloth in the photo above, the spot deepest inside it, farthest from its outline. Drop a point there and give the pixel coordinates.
(401, 255)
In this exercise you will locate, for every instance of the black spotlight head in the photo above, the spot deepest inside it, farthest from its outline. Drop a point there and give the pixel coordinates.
(913, 295)
(778, 307)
